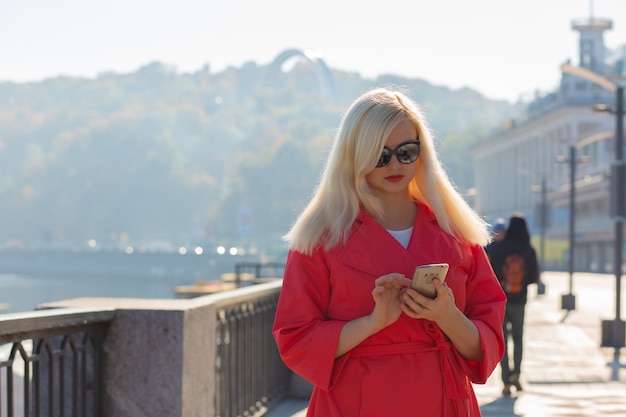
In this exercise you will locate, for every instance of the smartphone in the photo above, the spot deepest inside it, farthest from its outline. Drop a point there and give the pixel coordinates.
(423, 278)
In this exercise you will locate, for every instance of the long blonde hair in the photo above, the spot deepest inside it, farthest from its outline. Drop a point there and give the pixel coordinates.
(343, 189)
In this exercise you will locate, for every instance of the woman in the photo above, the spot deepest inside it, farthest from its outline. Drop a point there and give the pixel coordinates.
(346, 319)
(515, 263)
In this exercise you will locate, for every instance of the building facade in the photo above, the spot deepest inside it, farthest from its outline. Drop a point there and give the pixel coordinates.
(562, 140)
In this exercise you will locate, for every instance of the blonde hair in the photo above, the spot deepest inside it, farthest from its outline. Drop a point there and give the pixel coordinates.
(343, 189)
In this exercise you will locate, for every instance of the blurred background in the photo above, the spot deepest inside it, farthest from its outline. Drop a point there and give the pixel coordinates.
(146, 145)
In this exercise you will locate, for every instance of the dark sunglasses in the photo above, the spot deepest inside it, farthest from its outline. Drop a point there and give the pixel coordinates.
(406, 152)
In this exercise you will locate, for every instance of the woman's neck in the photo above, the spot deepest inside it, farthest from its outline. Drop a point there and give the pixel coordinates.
(399, 214)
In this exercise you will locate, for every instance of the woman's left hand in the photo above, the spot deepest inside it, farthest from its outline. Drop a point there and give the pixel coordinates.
(439, 309)
(461, 331)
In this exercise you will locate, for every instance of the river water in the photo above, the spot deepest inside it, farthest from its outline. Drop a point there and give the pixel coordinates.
(32, 277)
(19, 293)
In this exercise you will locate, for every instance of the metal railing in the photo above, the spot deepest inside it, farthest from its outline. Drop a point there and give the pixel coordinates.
(260, 270)
(250, 375)
(51, 362)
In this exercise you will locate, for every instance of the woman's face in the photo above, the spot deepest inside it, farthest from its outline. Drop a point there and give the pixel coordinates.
(394, 177)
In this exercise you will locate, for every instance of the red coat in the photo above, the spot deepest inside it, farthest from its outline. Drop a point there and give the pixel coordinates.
(407, 369)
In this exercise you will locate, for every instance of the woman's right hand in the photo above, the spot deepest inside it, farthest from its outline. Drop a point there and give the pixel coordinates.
(386, 295)
(387, 310)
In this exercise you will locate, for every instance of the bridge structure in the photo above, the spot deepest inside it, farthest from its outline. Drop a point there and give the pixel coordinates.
(323, 73)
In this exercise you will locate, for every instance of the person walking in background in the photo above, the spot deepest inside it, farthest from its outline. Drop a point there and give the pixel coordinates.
(498, 230)
(346, 318)
(514, 261)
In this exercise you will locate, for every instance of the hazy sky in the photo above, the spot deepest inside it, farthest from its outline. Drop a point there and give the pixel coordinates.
(502, 48)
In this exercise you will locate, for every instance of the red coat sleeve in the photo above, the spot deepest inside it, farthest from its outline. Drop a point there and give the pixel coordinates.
(306, 338)
(485, 308)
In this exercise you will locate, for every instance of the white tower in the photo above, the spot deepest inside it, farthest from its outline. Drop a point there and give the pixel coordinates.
(591, 43)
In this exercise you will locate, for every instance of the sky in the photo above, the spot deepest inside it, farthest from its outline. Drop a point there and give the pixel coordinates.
(505, 49)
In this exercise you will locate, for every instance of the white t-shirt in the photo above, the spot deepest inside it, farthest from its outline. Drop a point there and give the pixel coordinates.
(402, 236)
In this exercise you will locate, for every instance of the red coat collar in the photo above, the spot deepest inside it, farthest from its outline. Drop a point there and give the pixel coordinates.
(371, 249)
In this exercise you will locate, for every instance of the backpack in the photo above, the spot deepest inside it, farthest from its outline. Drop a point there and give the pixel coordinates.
(513, 271)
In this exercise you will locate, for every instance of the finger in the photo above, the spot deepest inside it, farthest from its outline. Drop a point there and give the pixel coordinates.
(384, 279)
(401, 282)
(440, 287)
(412, 301)
(408, 311)
(394, 280)
(419, 298)
(378, 290)
(412, 308)
(443, 290)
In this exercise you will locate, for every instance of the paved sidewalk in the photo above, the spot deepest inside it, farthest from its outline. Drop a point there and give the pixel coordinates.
(565, 372)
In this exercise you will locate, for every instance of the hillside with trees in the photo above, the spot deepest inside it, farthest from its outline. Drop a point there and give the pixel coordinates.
(158, 155)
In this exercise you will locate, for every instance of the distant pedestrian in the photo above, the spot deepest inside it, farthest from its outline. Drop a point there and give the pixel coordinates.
(498, 230)
(515, 263)
(347, 319)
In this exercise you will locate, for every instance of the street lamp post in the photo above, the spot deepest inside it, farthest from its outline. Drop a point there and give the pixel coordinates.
(613, 331)
(568, 301)
(617, 326)
(544, 216)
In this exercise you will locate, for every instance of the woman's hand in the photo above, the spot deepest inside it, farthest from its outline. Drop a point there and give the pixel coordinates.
(387, 310)
(440, 309)
(386, 295)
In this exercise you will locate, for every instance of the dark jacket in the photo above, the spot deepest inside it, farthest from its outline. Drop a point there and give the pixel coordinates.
(515, 262)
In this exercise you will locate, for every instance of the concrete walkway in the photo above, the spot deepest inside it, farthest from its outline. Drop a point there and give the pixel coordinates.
(565, 372)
